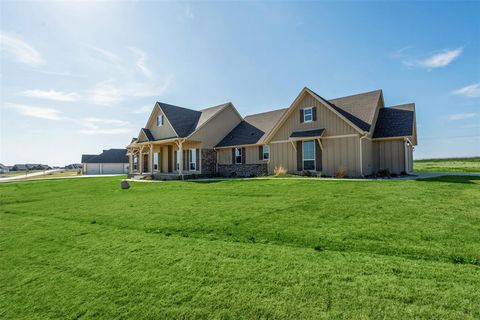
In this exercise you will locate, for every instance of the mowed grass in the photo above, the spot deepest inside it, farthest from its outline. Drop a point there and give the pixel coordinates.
(240, 249)
(448, 165)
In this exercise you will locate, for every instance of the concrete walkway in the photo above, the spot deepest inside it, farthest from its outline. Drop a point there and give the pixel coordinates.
(28, 175)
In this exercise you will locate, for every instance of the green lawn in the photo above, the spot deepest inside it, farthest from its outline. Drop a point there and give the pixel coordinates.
(241, 249)
(448, 165)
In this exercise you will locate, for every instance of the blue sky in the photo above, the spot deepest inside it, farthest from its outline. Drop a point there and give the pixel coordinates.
(79, 77)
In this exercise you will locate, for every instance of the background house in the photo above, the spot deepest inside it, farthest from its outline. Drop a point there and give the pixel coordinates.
(112, 161)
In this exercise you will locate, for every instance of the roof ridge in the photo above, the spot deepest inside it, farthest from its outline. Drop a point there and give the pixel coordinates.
(356, 94)
(172, 105)
(256, 114)
(219, 105)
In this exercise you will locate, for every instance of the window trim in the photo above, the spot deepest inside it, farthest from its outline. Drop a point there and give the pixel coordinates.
(160, 123)
(305, 114)
(177, 165)
(193, 159)
(314, 155)
(135, 163)
(239, 155)
(263, 152)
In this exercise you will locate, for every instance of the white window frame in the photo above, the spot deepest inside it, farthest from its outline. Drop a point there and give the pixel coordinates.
(305, 114)
(265, 151)
(303, 155)
(135, 163)
(156, 162)
(177, 165)
(192, 166)
(159, 120)
(238, 155)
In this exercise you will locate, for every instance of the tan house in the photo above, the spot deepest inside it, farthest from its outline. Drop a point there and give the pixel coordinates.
(356, 135)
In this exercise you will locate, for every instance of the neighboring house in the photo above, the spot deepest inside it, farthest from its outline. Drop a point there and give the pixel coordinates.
(19, 167)
(74, 165)
(112, 161)
(354, 135)
(4, 169)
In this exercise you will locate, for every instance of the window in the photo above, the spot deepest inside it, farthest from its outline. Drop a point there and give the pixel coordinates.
(266, 152)
(193, 159)
(307, 115)
(238, 155)
(177, 165)
(160, 120)
(308, 155)
(155, 161)
(135, 163)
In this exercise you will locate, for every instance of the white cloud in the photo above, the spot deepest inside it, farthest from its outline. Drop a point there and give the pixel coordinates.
(461, 116)
(106, 94)
(20, 50)
(470, 91)
(437, 60)
(36, 112)
(51, 95)
(109, 56)
(105, 126)
(144, 109)
(141, 61)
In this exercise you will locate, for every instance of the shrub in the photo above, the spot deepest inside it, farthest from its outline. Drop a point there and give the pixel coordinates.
(384, 173)
(307, 173)
(279, 171)
(341, 172)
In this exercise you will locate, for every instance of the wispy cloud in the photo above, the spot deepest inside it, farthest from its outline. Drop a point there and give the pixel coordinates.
(144, 109)
(461, 116)
(105, 93)
(437, 60)
(109, 56)
(141, 61)
(51, 95)
(105, 126)
(470, 91)
(20, 50)
(36, 112)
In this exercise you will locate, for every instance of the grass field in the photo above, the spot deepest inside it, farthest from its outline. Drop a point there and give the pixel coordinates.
(252, 249)
(448, 165)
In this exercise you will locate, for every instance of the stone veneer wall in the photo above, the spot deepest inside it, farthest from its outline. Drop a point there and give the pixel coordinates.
(242, 170)
(209, 161)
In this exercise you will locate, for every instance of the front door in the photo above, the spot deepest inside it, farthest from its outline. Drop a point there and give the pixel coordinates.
(145, 163)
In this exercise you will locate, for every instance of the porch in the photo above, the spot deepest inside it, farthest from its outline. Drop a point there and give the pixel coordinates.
(167, 159)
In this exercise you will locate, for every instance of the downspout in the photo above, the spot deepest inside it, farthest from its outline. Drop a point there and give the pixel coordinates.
(405, 142)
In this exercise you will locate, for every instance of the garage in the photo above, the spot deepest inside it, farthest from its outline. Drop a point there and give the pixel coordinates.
(112, 161)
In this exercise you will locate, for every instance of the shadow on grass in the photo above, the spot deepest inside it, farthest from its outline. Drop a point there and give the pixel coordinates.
(453, 179)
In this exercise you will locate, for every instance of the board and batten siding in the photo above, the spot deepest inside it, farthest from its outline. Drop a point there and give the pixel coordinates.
(389, 155)
(341, 153)
(251, 155)
(217, 128)
(326, 119)
(367, 157)
(161, 132)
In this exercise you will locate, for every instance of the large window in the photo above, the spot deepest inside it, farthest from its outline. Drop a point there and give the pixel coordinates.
(193, 159)
(160, 120)
(155, 161)
(308, 115)
(135, 163)
(308, 155)
(266, 152)
(238, 155)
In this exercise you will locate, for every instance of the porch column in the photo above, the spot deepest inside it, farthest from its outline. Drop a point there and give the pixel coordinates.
(180, 159)
(130, 162)
(151, 158)
(140, 161)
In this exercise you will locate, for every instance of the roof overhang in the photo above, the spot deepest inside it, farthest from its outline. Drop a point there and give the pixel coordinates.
(306, 134)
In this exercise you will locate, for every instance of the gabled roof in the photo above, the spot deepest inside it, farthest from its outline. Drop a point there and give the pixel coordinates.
(252, 130)
(396, 121)
(109, 156)
(148, 134)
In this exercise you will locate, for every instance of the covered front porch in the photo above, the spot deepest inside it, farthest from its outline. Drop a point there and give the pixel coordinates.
(164, 159)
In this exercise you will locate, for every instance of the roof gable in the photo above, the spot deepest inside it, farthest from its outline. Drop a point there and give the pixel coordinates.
(362, 106)
(183, 120)
(397, 121)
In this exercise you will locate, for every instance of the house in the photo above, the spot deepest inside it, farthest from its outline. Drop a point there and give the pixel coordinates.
(353, 136)
(112, 161)
(73, 166)
(19, 167)
(4, 169)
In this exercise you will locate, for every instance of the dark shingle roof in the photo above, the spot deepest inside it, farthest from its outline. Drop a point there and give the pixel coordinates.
(85, 157)
(109, 156)
(253, 129)
(183, 120)
(394, 122)
(363, 125)
(148, 134)
(307, 133)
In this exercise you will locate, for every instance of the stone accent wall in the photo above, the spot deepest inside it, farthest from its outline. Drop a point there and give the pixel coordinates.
(209, 161)
(242, 170)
